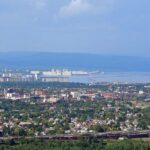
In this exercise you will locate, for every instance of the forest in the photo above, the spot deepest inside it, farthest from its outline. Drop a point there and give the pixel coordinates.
(83, 144)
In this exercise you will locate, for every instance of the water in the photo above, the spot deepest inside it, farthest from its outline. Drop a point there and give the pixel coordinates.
(73, 61)
(123, 77)
(117, 68)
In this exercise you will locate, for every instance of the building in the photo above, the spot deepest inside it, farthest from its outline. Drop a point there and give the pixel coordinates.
(54, 79)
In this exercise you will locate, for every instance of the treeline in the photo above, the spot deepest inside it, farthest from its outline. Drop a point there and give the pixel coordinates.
(88, 144)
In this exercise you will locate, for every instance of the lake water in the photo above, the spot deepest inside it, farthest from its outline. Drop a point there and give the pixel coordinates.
(123, 77)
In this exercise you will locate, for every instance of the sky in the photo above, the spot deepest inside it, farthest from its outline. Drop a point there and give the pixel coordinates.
(119, 27)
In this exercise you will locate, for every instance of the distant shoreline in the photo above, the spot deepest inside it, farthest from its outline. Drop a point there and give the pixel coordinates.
(75, 61)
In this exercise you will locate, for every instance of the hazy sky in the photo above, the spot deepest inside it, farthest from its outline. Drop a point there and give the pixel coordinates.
(92, 26)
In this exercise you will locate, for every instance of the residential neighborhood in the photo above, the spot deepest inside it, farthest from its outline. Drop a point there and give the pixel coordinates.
(74, 110)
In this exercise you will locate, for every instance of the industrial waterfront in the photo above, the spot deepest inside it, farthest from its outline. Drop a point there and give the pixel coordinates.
(77, 76)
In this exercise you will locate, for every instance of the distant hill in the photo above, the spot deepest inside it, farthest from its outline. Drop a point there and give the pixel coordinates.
(45, 60)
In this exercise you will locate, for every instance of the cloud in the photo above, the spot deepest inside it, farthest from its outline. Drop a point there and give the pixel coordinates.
(76, 7)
